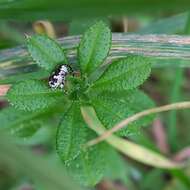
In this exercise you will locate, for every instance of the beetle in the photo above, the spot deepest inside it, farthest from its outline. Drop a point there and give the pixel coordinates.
(57, 79)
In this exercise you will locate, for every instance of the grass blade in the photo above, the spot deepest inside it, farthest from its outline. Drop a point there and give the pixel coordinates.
(128, 148)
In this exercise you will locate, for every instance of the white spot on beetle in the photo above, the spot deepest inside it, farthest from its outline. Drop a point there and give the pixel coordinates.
(57, 79)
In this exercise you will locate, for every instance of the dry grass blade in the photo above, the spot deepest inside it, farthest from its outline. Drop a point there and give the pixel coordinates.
(125, 122)
(167, 47)
(44, 27)
(128, 148)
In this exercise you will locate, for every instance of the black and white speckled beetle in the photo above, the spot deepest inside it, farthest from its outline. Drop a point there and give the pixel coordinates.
(57, 79)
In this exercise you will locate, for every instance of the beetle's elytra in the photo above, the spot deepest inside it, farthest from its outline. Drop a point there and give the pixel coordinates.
(57, 79)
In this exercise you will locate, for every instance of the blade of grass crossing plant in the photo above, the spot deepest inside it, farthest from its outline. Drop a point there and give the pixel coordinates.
(135, 117)
(94, 47)
(46, 52)
(128, 148)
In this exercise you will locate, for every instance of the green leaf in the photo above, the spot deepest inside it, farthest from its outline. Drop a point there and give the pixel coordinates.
(94, 47)
(124, 74)
(89, 167)
(71, 134)
(46, 52)
(21, 123)
(114, 107)
(86, 166)
(33, 95)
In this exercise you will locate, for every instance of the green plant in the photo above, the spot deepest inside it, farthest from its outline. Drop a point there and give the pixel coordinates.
(111, 88)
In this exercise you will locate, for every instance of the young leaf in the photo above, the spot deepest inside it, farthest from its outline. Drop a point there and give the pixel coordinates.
(94, 47)
(124, 74)
(33, 95)
(46, 52)
(114, 107)
(71, 134)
